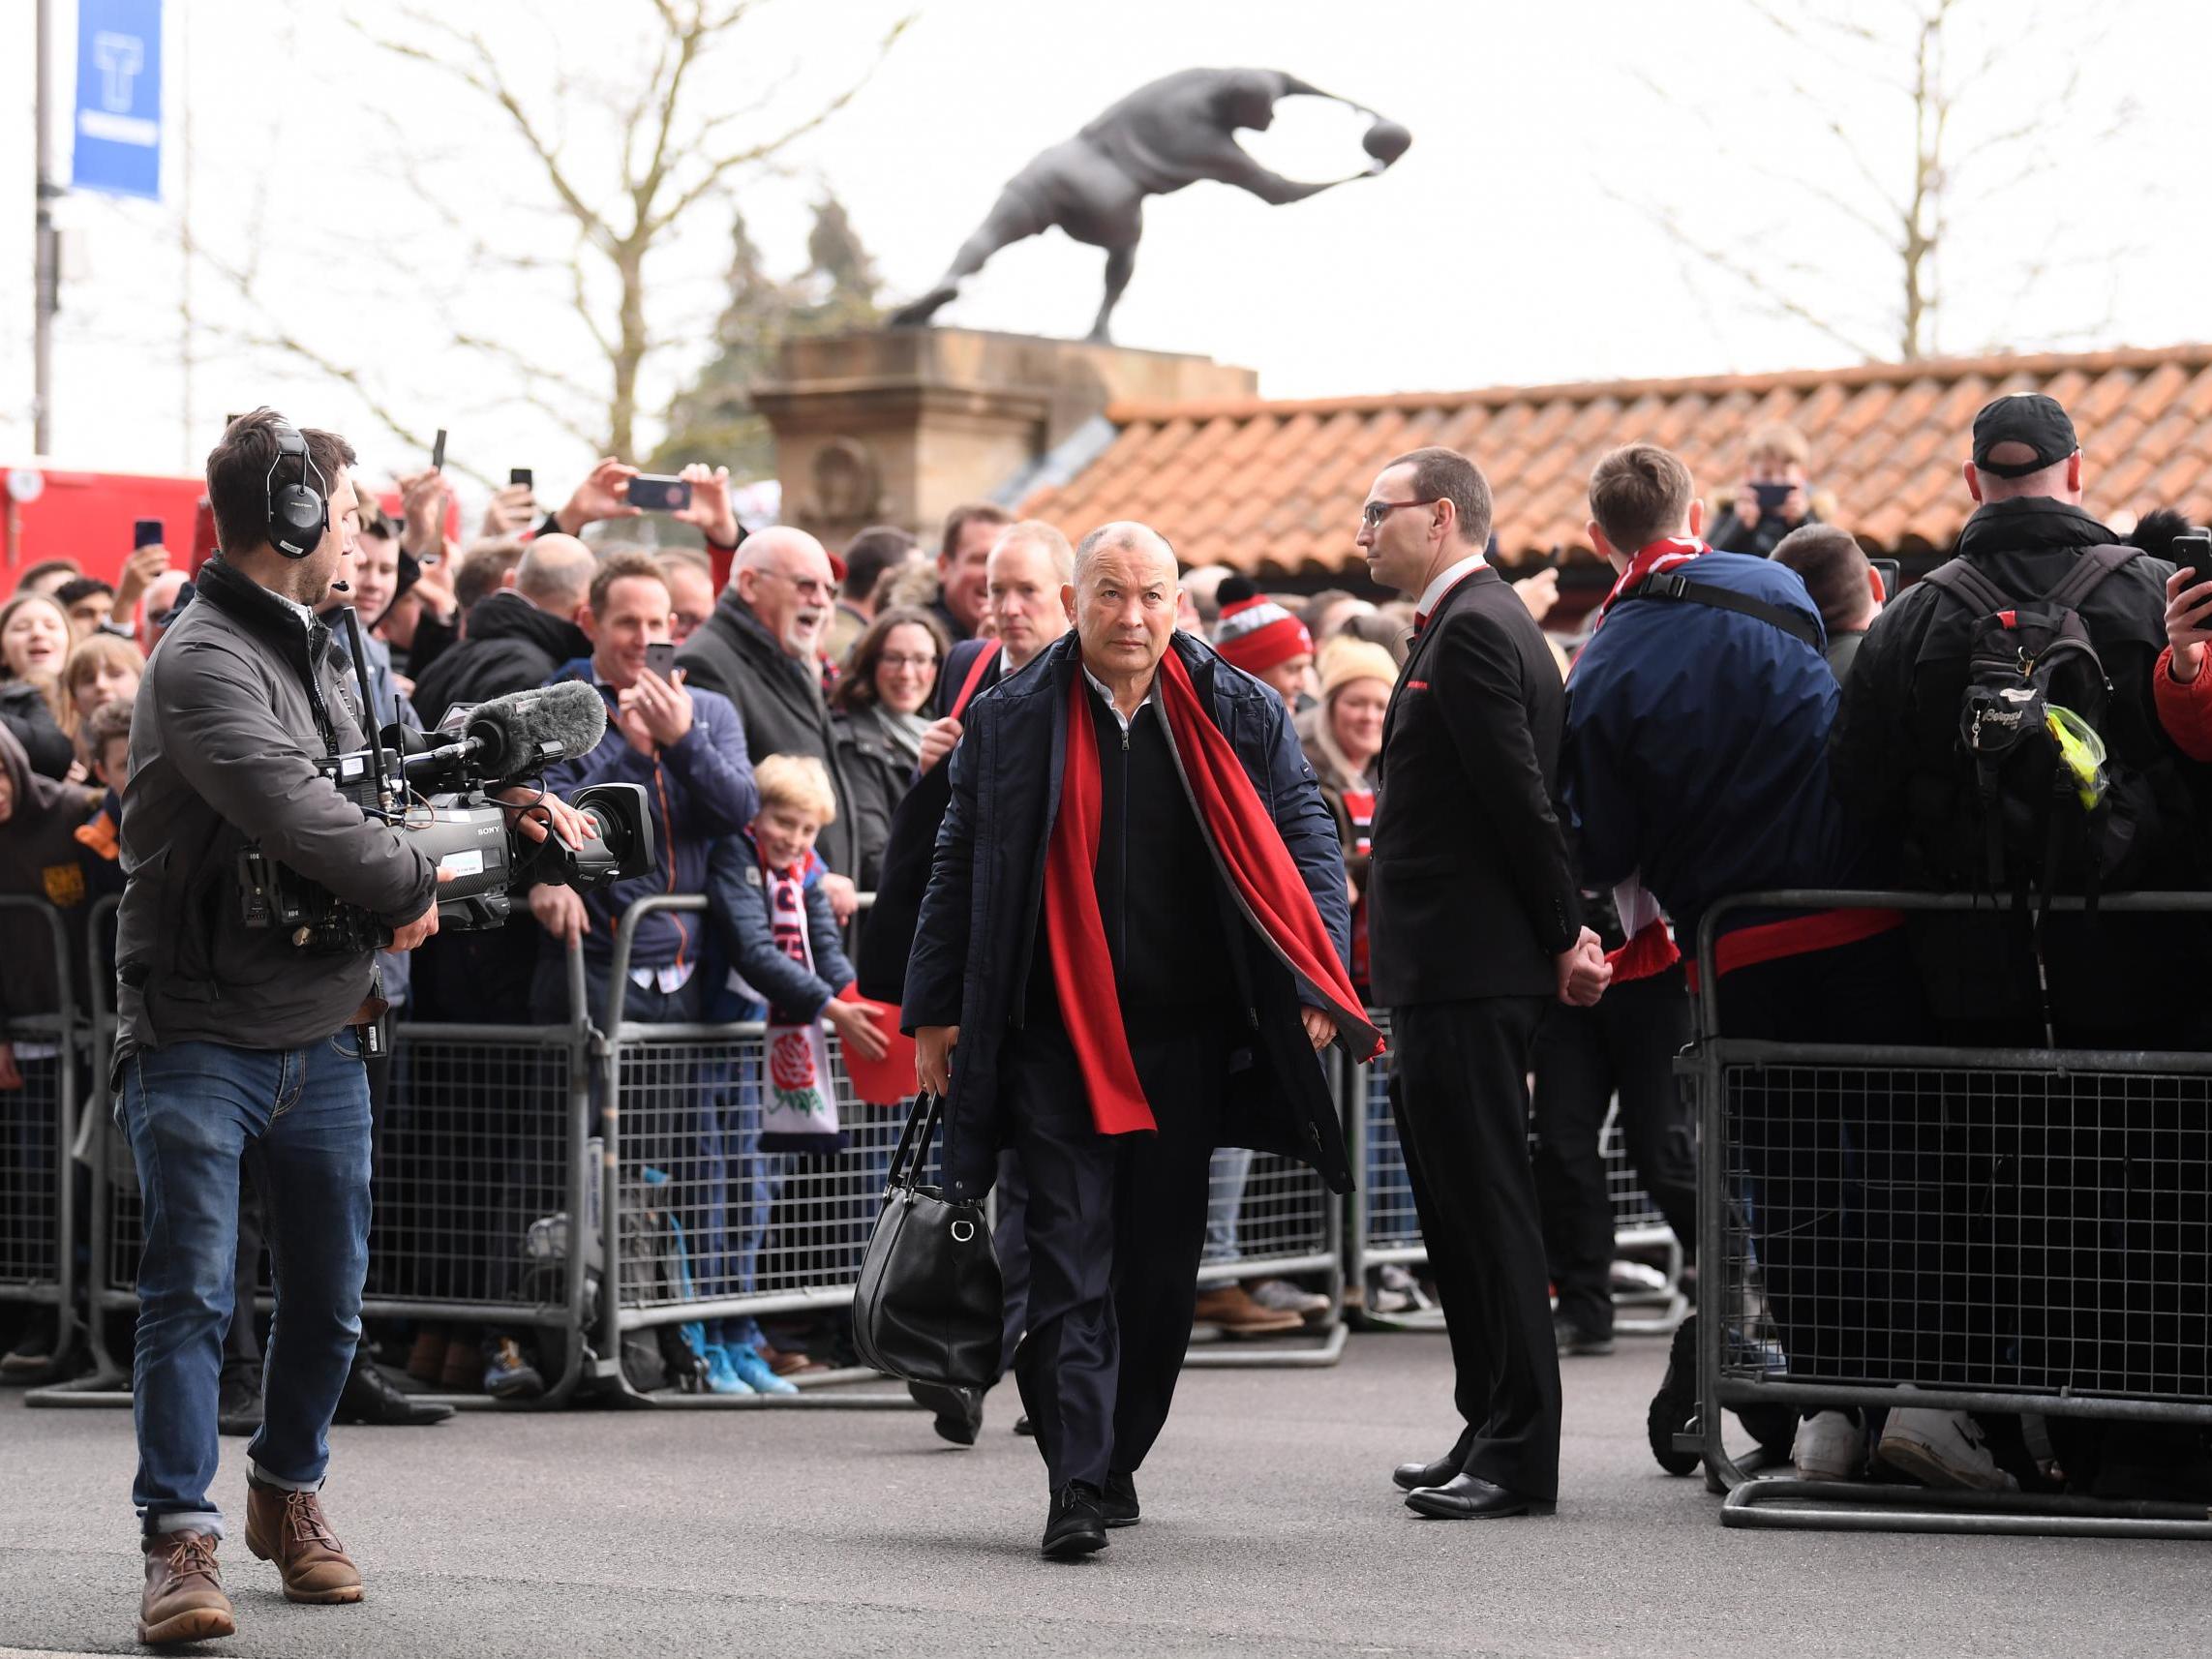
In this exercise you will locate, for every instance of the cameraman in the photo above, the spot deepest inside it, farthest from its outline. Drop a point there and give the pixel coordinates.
(233, 1043)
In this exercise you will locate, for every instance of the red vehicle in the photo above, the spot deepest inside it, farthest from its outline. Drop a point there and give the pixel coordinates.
(62, 512)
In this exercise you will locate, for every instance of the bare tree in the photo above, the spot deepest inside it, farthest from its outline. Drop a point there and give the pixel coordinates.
(615, 156)
(675, 146)
(1977, 110)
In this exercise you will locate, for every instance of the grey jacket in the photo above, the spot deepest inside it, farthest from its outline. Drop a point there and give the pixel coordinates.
(236, 709)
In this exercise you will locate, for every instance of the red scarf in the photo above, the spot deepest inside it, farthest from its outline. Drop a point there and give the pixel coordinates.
(1246, 845)
(1649, 560)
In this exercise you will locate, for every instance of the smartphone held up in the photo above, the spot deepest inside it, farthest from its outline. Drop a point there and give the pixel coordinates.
(652, 493)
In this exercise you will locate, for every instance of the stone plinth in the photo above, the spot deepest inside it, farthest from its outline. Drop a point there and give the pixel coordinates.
(901, 425)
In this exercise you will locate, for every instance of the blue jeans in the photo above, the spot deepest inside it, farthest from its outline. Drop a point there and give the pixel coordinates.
(1231, 1167)
(192, 1110)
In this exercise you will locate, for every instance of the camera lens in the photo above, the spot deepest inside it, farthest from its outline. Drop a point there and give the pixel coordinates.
(624, 845)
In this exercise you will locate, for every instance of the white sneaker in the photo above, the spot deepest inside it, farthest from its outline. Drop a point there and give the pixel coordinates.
(1830, 1447)
(1942, 1448)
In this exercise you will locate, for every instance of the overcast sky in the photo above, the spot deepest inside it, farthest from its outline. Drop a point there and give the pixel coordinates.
(1517, 242)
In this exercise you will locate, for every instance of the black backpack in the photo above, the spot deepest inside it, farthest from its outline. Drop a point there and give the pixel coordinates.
(2027, 808)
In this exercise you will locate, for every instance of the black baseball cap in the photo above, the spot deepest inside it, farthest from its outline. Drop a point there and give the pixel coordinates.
(2031, 418)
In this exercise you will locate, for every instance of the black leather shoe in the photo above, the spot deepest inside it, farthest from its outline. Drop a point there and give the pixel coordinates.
(1024, 1427)
(1412, 1477)
(369, 1397)
(1468, 1498)
(238, 1400)
(1117, 1505)
(1073, 1526)
(959, 1411)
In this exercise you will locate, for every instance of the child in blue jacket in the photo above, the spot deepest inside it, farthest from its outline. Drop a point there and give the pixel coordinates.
(787, 966)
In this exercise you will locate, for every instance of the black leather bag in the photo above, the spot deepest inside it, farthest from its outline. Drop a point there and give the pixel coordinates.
(931, 1306)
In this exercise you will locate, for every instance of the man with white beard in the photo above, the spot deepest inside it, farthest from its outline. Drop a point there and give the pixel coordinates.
(761, 649)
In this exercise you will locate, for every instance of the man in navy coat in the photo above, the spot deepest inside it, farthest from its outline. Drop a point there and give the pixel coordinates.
(1130, 951)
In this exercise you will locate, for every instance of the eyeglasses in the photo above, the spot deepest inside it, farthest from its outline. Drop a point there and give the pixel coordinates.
(890, 659)
(805, 586)
(1374, 512)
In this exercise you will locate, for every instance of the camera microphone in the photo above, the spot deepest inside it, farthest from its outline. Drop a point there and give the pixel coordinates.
(508, 737)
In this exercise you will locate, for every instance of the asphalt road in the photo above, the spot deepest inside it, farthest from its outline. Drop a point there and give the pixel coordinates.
(1270, 1528)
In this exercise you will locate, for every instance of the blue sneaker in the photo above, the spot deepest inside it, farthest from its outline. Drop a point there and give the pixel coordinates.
(509, 1375)
(755, 1371)
(722, 1376)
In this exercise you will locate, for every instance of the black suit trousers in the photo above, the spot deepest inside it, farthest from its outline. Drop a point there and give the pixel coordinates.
(1459, 1087)
(1116, 1226)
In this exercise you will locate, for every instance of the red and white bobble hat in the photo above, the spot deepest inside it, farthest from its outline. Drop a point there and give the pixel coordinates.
(1255, 633)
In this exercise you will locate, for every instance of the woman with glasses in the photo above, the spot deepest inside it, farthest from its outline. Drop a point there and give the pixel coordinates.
(877, 715)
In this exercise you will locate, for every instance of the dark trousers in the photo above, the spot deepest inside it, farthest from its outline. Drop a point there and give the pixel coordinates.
(1459, 1087)
(1626, 1045)
(1846, 1187)
(1115, 1227)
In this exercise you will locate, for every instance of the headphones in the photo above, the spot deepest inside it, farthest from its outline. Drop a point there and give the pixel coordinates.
(299, 514)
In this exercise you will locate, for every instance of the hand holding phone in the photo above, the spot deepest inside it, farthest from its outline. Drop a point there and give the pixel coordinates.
(2186, 603)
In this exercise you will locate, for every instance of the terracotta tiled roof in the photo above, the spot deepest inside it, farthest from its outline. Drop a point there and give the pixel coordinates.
(1274, 488)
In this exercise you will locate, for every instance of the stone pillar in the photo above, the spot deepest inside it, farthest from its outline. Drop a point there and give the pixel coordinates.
(901, 425)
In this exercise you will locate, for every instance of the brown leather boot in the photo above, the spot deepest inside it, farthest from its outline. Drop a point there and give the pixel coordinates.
(287, 1527)
(183, 1599)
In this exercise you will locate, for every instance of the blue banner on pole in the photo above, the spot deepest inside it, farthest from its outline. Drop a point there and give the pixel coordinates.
(118, 127)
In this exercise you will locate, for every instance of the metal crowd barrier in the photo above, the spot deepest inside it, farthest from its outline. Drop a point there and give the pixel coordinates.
(514, 1164)
(1998, 1231)
(482, 1156)
(1384, 1229)
(709, 1228)
(38, 1125)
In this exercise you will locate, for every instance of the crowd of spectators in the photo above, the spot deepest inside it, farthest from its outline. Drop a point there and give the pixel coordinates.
(790, 731)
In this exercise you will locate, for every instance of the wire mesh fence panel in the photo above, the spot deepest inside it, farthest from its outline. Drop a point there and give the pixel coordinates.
(473, 1166)
(710, 1213)
(2010, 1230)
(471, 1161)
(1393, 1230)
(125, 1234)
(1262, 1207)
(1391, 1223)
(1634, 1213)
(33, 1162)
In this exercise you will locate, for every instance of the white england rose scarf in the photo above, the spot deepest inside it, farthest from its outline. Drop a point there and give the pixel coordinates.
(799, 1099)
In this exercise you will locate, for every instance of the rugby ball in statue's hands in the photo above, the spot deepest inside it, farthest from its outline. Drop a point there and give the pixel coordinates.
(1386, 141)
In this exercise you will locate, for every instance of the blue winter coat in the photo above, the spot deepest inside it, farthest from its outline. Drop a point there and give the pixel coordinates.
(698, 789)
(1696, 748)
(736, 896)
(971, 957)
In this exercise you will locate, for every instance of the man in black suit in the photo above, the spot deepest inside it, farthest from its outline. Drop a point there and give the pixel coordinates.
(1473, 922)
